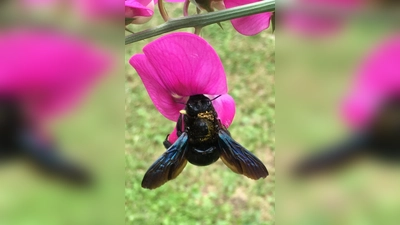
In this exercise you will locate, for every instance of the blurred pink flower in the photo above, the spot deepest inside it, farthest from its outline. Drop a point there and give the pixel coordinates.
(249, 25)
(378, 79)
(38, 2)
(140, 11)
(315, 22)
(48, 72)
(99, 9)
(89, 9)
(179, 65)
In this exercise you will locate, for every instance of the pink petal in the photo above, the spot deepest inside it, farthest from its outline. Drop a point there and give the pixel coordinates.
(225, 107)
(381, 69)
(134, 8)
(33, 3)
(315, 23)
(311, 25)
(187, 64)
(145, 2)
(159, 94)
(249, 25)
(182, 64)
(358, 108)
(49, 72)
(97, 9)
(378, 79)
(172, 137)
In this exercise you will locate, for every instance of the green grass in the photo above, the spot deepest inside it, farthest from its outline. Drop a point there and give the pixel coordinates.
(212, 194)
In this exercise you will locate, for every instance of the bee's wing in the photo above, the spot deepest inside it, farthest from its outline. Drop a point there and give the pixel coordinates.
(239, 159)
(168, 166)
(47, 158)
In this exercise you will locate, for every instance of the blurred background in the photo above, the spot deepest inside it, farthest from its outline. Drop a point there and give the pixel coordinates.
(322, 53)
(87, 132)
(211, 194)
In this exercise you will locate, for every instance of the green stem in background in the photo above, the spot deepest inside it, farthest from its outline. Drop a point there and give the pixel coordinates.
(197, 30)
(203, 20)
(163, 12)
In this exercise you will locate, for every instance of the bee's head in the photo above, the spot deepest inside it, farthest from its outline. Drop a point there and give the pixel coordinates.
(197, 104)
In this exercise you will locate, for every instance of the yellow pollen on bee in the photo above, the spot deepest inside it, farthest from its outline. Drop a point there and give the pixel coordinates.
(182, 112)
(206, 115)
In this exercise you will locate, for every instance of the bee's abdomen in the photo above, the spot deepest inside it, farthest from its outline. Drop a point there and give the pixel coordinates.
(203, 155)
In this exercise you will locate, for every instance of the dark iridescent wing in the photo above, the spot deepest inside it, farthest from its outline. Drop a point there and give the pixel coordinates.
(168, 166)
(333, 156)
(49, 159)
(239, 159)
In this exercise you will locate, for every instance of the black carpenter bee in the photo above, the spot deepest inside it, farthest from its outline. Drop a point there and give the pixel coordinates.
(380, 138)
(202, 140)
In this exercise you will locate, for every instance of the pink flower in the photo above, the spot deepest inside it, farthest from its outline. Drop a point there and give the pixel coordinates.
(377, 80)
(98, 9)
(140, 11)
(319, 23)
(249, 25)
(38, 2)
(89, 9)
(179, 65)
(48, 72)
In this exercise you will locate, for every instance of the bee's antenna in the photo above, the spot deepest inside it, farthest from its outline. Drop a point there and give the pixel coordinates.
(216, 97)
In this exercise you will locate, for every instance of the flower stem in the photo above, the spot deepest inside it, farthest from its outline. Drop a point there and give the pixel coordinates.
(203, 19)
(197, 29)
(186, 8)
(163, 12)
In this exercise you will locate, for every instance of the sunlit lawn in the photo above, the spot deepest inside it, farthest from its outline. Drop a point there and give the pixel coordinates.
(212, 194)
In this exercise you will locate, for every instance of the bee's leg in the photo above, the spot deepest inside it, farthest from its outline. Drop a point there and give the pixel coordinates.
(180, 126)
(179, 131)
(167, 143)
